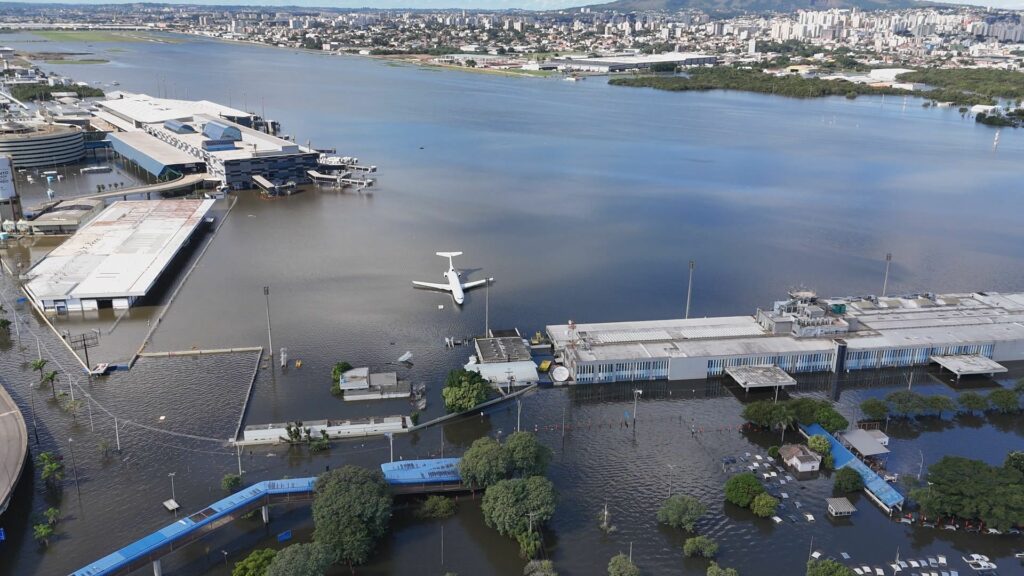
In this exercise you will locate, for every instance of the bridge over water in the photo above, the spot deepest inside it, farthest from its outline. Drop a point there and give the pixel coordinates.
(404, 477)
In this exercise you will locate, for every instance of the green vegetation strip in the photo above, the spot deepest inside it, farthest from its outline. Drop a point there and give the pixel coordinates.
(41, 92)
(795, 86)
(87, 36)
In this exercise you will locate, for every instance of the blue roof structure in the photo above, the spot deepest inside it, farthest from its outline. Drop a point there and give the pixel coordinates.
(886, 494)
(215, 130)
(168, 534)
(178, 127)
(433, 471)
(151, 154)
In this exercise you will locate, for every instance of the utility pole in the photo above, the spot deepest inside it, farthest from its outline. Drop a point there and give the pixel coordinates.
(74, 466)
(391, 443)
(238, 454)
(117, 435)
(270, 336)
(888, 261)
(636, 394)
(487, 308)
(519, 412)
(689, 287)
(171, 474)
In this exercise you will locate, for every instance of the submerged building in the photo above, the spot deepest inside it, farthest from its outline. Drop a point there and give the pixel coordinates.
(116, 257)
(965, 333)
(168, 137)
(40, 144)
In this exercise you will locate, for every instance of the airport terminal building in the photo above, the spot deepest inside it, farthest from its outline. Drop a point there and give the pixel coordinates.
(964, 333)
(169, 138)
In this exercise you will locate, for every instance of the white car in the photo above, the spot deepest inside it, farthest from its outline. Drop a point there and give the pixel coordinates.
(975, 558)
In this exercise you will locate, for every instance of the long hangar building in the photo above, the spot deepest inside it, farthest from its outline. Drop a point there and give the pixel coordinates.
(168, 137)
(964, 333)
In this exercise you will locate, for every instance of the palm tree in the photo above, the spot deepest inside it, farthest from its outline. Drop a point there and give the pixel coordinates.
(50, 379)
(39, 364)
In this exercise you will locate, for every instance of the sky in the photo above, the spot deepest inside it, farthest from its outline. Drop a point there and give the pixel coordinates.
(433, 4)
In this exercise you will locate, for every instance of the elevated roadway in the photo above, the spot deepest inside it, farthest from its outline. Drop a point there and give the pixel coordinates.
(13, 447)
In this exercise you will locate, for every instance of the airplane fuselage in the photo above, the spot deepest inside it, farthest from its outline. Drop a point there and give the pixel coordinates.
(456, 286)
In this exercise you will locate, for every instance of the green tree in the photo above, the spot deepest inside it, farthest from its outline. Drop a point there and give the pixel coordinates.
(339, 369)
(42, 533)
(1004, 400)
(847, 480)
(463, 390)
(519, 508)
(681, 511)
(51, 467)
(827, 567)
(831, 420)
(51, 379)
(773, 451)
(620, 565)
(874, 409)
(484, 464)
(939, 404)
(255, 564)
(715, 570)
(539, 568)
(435, 507)
(52, 516)
(819, 444)
(38, 365)
(764, 505)
(351, 512)
(301, 560)
(741, 489)
(759, 413)
(973, 402)
(5, 324)
(974, 490)
(700, 546)
(1015, 460)
(525, 455)
(231, 483)
(905, 403)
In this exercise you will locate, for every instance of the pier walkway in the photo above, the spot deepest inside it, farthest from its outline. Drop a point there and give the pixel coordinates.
(878, 489)
(13, 447)
(404, 477)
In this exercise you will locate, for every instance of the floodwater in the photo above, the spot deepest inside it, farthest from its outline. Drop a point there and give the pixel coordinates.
(583, 201)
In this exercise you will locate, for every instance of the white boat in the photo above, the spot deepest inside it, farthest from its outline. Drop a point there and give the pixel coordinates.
(284, 357)
(405, 357)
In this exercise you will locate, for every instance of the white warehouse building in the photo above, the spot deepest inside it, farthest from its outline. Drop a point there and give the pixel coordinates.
(965, 333)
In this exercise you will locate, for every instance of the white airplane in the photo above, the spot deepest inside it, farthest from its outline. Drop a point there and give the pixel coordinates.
(452, 275)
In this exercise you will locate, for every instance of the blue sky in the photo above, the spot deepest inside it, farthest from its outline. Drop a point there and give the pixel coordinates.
(478, 4)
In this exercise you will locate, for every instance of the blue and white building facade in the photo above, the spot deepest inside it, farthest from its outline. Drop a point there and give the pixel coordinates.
(800, 335)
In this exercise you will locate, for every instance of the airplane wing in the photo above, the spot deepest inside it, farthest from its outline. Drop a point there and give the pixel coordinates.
(444, 287)
(474, 284)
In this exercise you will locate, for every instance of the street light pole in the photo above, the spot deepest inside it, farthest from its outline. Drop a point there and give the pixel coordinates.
(74, 466)
(171, 474)
(636, 394)
(519, 412)
(689, 287)
(487, 307)
(391, 443)
(270, 336)
(885, 282)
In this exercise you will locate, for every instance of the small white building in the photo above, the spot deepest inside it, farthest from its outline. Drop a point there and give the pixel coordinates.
(355, 379)
(800, 458)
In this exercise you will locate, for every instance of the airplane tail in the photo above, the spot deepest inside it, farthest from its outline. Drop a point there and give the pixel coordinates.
(449, 254)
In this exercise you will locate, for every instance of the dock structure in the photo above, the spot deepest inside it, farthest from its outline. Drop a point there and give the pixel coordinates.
(340, 179)
(404, 477)
(13, 447)
(887, 497)
(970, 333)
